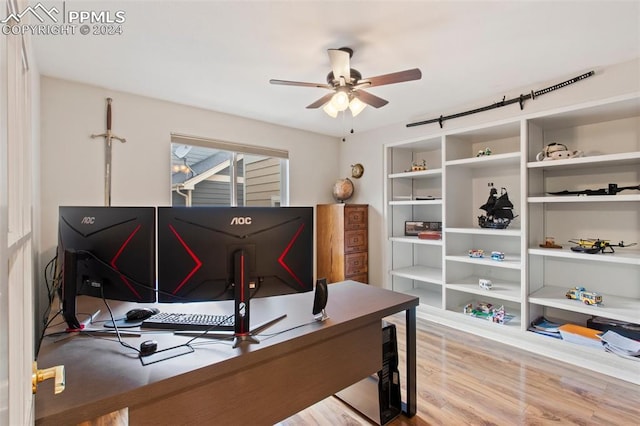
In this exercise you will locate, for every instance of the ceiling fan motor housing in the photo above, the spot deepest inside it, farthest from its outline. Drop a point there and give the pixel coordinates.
(355, 77)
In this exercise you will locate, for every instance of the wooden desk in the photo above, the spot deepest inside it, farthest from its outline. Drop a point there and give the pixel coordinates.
(291, 368)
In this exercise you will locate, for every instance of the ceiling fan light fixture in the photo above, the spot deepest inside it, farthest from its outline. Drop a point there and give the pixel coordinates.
(330, 110)
(340, 101)
(356, 106)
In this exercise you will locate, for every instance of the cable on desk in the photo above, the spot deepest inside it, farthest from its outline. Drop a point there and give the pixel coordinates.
(270, 335)
(52, 283)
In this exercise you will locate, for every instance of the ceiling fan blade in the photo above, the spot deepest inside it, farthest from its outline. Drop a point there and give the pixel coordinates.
(323, 100)
(370, 99)
(300, 83)
(394, 77)
(340, 64)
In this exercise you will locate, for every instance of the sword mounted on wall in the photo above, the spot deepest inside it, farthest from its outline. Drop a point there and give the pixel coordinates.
(108, 138)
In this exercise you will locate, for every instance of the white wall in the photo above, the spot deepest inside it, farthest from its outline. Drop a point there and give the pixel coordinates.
(72, 164)
(367, 147)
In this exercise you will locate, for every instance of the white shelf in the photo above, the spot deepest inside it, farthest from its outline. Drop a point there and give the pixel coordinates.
(486, 231)
(420, 273)
(415, 202)
(427, 297)
(511, 261)
(415, 240)
(417, 175)
(511, 158)
(614, 307)
(619, 198)
(582, 356)
(627, 158)
(595, 128)
(503, 290)
(622, 255)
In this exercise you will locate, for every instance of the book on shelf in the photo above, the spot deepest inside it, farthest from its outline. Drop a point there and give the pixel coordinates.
(544, 324)
(581, 335)
(555, 334)
(620, 345)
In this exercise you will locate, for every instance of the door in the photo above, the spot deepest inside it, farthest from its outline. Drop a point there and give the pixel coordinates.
(16, 230)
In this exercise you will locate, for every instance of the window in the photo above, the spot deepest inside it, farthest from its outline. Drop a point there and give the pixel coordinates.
(213, 173)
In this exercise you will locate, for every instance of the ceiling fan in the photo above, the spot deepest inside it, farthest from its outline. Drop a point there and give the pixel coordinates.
(346, 85)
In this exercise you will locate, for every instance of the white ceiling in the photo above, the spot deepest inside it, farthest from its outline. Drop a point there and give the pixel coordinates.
(220, 55)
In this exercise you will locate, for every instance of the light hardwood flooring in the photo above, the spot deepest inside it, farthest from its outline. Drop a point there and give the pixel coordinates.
(468, 380)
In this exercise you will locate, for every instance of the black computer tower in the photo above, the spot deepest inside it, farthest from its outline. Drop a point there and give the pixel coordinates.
(378, 396)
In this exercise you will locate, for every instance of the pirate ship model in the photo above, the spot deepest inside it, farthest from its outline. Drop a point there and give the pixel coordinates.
(499, 210)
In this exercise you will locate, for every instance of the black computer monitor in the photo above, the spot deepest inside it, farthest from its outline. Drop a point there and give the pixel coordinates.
(197, 248)
(106, 252)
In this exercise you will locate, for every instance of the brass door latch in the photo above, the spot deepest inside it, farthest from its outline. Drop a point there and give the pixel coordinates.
(56, 373)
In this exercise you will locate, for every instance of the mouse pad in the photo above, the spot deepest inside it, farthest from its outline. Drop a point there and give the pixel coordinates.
(123, 323)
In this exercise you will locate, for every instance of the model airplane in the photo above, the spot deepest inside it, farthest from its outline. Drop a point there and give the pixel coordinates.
(595, 245)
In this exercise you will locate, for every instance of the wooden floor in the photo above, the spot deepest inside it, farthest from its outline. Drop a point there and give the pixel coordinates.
(467, 380)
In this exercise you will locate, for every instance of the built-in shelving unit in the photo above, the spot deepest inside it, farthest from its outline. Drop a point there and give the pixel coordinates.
(531, 281)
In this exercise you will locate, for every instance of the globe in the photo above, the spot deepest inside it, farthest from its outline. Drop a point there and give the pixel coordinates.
(343, 189)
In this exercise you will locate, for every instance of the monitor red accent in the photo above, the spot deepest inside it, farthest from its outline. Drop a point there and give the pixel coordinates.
(198, 262)
(286, 251)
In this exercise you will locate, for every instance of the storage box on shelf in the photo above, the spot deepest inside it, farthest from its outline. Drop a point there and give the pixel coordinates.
(531, 281)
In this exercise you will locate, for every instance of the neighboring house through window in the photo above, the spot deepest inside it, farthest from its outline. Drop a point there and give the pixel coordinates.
(207, 172)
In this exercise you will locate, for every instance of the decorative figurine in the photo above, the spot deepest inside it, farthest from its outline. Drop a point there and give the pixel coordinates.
(418, 166)
(586, 297)
(549, 242)
(499, 210)
(357, 170)
(484, 152)
(557, 151)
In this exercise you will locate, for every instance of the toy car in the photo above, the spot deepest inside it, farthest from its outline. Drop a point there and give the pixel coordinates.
(586, 297)
(485, 284)
(477, 253)
(497, 255)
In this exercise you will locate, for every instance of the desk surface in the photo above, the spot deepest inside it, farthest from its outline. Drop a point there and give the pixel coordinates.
(102, 376)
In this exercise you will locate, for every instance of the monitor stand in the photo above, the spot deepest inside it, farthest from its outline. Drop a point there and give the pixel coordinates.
(69, 291)
(242, 332)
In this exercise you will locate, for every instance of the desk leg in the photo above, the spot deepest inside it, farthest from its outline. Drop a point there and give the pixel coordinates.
(409, 408)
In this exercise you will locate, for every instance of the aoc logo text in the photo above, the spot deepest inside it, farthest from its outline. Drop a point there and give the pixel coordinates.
(239, 220)
(88, 220)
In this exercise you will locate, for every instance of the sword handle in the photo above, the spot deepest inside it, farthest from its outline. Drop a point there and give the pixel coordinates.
(109, 114)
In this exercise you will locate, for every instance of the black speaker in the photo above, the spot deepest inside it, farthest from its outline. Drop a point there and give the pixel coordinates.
(378, 396)
(320, 300)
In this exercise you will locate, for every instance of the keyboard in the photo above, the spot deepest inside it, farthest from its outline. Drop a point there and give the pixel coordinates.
(196, 322)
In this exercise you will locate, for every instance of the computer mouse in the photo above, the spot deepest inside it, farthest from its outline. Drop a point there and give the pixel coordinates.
(148, 347)
(141, 314)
